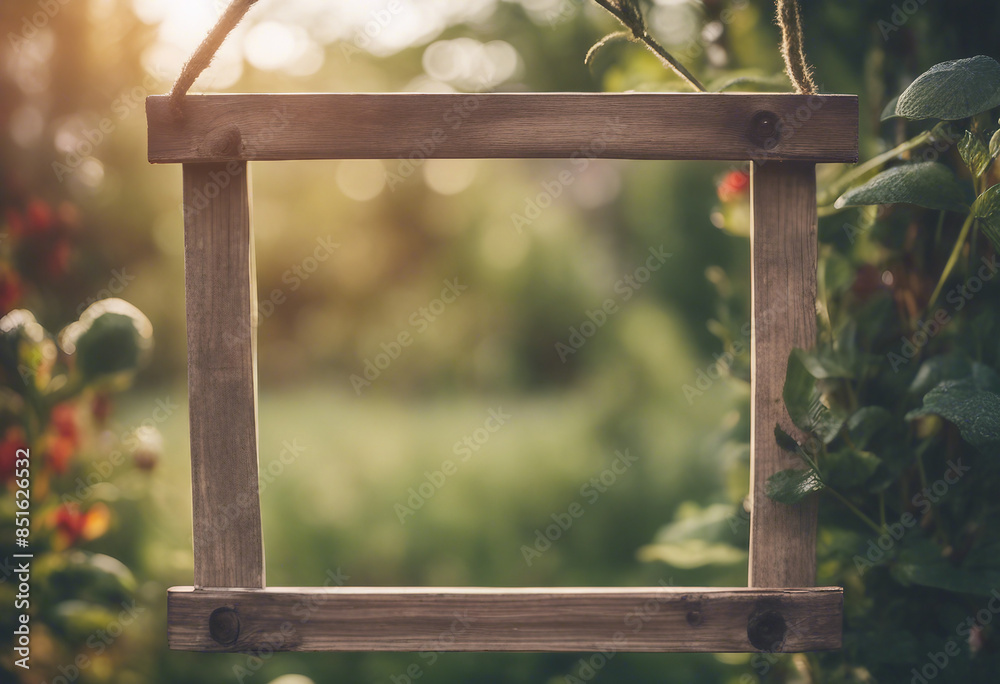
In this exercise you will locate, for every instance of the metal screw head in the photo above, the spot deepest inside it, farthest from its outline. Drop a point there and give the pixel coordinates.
(764, 129)
(694, 618)
(224, 625)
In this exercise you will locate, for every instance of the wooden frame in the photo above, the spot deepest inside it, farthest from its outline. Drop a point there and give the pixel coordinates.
(229, 608)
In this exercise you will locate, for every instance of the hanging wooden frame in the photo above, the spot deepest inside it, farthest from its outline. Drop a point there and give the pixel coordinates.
(229, 608)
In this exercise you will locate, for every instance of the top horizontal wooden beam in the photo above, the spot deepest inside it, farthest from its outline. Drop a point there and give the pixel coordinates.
(708, 126)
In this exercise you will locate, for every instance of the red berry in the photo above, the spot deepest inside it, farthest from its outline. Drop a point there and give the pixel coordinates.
(100, 408)
(867, 281)
(60, 452)
(10, 290)
(57, 261)
(39, 216)
(69, 523)
(733, 186)
(15, 223)
(12, 442)
(64, 422)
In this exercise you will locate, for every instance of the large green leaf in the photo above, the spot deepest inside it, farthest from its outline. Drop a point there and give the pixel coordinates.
(849, 467)
(925, 184)
(974, 153)
(952, 90)
(803, 400)
(972, 404)
(791, 486)
(921, 562)
(714, 535)
(712, 523)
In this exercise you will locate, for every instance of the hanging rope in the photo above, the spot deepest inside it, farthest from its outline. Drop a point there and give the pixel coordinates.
(202, 57)
(789, 19)
(799, 71)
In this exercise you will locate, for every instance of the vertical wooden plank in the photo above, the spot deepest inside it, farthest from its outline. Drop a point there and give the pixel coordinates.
(220, 295)
(783, 281)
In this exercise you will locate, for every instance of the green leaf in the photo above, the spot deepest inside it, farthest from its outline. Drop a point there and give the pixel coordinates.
(926, 570)
(111, 337)
(849, 467)
(974, 153)
(692, 553)
(972, 404)
(987, 205)
(698, 537)
(995, 145)
(866, 423)
(785, 440)
(716, 522)
(890, 110)
(803, 400)
(839, 273)
(953, 90)
(987, 208)
(791, 486)
(985, 378)
(934, 371)
(25, 347)
(925, 184)
(823, 364)
(74, 620)
(86, 576)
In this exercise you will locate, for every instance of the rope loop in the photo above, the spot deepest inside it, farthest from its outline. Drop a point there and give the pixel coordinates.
(788, 11)
(203, 55)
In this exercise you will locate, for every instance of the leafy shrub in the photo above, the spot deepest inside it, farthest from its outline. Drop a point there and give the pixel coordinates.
(55, 395)
(900, 399)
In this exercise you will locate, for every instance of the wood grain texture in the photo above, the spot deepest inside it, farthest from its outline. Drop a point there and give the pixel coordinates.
(470, 619)
(818, 128)
(219, 277)
(783, 281)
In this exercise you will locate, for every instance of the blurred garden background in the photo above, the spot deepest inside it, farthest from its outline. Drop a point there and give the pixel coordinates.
(351, 254)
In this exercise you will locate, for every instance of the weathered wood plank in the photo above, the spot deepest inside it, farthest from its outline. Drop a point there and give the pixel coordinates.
(818, 128)
(219, 276)
(476, 619)
(783, 281)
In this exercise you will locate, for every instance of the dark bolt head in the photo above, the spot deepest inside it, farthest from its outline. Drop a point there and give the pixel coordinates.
(224, 625)
(694, 618)
(766, 630)
(764, 129)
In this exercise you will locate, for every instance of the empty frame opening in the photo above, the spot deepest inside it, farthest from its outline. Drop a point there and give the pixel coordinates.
(435, 374)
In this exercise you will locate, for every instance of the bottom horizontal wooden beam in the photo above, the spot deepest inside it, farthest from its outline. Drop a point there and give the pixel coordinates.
(655, 619)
